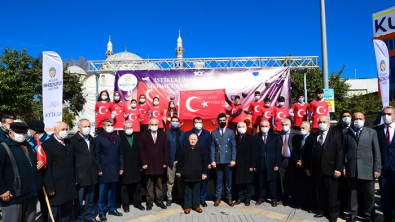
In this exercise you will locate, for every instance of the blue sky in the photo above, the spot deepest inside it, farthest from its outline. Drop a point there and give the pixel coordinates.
(209, 28)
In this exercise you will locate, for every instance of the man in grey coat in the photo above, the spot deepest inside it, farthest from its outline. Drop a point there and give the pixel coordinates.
(362, 165)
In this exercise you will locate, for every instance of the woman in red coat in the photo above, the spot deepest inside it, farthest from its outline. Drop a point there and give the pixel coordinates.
(172, 110)
(120, 109)
(103, 110)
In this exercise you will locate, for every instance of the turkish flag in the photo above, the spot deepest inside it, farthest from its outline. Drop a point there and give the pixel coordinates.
(41, 154)
(206, 104)
(151, 93)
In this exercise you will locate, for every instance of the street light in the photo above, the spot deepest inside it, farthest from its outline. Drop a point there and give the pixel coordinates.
(324, 46)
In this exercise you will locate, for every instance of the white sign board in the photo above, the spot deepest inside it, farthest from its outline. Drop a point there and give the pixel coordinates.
(384, 22)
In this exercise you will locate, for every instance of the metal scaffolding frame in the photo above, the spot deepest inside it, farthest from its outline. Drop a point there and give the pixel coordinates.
(293, 62)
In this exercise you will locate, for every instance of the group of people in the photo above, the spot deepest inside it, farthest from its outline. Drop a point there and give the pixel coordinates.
(320, 168)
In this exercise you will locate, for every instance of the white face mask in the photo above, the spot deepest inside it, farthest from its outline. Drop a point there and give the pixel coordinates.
(133, 105)
(19, 138)
(303, 132)
(109, 129)
(29, 134)
(264, 130)
(347, 120)
(359, 123)
(198, 126)
(242, 130)
(301, 100)
(142, 100)
(116, 98)
(387, 119)
(267, 105)
(86, 131)
(129, 132)
(323, 127)
(104, 98)
(154, 128)
(63, 134)
(285, 128)
(156, 103)
(257, 97)
(281, 103)
(172, 106)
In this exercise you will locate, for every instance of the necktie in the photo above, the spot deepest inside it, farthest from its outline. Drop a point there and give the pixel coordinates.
(388, 134)
(265, 139)
(285, 145)
(223, 131)
(154, 137)
(321, 139)
(357, 134)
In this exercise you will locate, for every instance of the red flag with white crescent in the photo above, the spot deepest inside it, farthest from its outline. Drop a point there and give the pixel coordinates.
(41, 154)
(206, 104)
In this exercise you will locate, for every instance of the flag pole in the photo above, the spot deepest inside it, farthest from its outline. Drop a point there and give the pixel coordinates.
(48, 205)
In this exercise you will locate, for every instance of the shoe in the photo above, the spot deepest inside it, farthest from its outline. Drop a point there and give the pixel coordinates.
(230, 202)
(319, 215)
(274, 204)
(102, 217)
(217, 202)
(140, 207)
(149, 206)
(114, 213)
(237, 202)
(351, 219)
(125, 208)
(280, 203)
(198, 209)
(247, 203)
(161, 205)
(168, 203)
(187, 210)
(259, 202)
(203, 203)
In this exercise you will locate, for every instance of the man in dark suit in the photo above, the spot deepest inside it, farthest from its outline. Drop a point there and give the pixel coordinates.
(5, 127)
(85, 171)
(223, 157)
(109, 157)
(246, 150)
(287, 167)
(324, 160)
(362, 165)
(131, 177)
(154, 155)
(59, 177)
(385, 133)
(269, 160)
(204, 141)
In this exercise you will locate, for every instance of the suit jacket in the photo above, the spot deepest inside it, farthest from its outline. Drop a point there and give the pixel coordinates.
(59, 176)
(298, 149)
(273, 154)
(223, 148)
(85, 160)
(109, 158)
(132, 162)
(171, 139)
(387, 150)
(332, 152)
(362, 159)
(290, 139)
(246, 158)
(155, 155)
(204, 141)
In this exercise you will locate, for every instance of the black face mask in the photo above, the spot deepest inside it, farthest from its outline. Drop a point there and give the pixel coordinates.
(222, 124)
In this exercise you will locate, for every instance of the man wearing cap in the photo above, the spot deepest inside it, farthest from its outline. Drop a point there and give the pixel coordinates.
(5, 126)
(59, 178)
(18, 163)
(37, 135)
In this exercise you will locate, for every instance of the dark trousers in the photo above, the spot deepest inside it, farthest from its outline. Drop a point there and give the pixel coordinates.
(23, 211)
(263, 181)
(233, 126)
(154, 181)
(364, 188)
(387, 193)
(43, 205)
(254, 129)
(224, 169)
(131, 189)
(287, 179)
(203, 187)
(84, 212)
(343, 194)
(326, 193)
(304, 195)
(62, 212)
(107, 192)
(191, 194)
(245, 191)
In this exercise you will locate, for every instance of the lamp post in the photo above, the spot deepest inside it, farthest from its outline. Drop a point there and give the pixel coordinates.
(97, 93)
(324, 46)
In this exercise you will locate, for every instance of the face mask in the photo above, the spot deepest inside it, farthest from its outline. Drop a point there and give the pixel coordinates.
(301, 100)
(129, 132)
(264, 130)
(154, 128)
(222, 124)
(29, 134)
(156, 103)
(142, 100)
(86, 131)
(387, 119)
(359, 123)
(104, 98)
(323, 127)
(267, 105)
(285, 128)
(198, 126)
(133, 105)
(63, 134)
(281, 103)
(19, 138)
(257, 97)
(242, 130)
(109, 129)
(303, 132)
(174, 125)
(116, 98)
(171, 106)
(346, 120)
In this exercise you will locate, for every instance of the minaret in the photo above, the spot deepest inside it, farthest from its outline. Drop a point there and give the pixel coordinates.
(109, 51)
(179, 49)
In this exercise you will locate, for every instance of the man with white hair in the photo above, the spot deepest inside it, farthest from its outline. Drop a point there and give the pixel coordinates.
(59, 177)
(324, 161)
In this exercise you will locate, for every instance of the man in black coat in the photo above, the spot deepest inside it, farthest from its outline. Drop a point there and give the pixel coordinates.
(85, 171)
(59, 178)
(18, 199)
(324, 160)
(131, 177)
(246, 158)
(269, 160)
